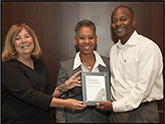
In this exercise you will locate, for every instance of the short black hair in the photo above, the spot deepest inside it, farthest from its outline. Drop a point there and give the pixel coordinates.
(127, 8)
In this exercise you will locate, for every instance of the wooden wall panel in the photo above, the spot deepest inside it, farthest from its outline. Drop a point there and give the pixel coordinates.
(54, 22)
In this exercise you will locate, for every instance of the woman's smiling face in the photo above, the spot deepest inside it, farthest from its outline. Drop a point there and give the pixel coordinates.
(86, 40)
(23, 43)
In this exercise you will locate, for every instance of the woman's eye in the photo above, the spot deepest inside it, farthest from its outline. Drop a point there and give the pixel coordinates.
(82, 38)
(17, 38)
(27, 36)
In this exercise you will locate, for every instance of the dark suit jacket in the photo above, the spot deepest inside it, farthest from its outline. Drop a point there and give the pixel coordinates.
(87, 115)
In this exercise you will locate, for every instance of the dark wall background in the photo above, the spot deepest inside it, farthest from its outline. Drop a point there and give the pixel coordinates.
(54, 22)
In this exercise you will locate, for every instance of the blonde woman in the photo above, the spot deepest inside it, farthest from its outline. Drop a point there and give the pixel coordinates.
(27, 89)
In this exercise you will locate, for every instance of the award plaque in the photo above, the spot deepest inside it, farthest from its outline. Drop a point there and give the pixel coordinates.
(95, 87)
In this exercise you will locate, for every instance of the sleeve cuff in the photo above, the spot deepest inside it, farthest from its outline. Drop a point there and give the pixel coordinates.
(117, 106)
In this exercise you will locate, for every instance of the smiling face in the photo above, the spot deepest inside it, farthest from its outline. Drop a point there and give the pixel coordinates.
(23, 43)
(123, 23)
(86, 40)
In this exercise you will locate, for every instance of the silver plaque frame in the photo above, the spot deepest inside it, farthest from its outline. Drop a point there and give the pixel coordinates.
(95, 87)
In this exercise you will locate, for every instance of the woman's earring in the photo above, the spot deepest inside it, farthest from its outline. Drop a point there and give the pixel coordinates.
(76, 47)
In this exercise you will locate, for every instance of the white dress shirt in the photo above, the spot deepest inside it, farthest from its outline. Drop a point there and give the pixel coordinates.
(136, 73)
(77, 62)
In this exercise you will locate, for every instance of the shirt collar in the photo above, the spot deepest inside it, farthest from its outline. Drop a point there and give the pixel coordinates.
(77, 61)
(131, 41)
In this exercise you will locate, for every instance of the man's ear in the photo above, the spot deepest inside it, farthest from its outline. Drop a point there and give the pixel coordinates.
(134, 21)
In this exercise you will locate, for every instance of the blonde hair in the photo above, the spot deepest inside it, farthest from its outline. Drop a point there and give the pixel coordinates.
(9, 51)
